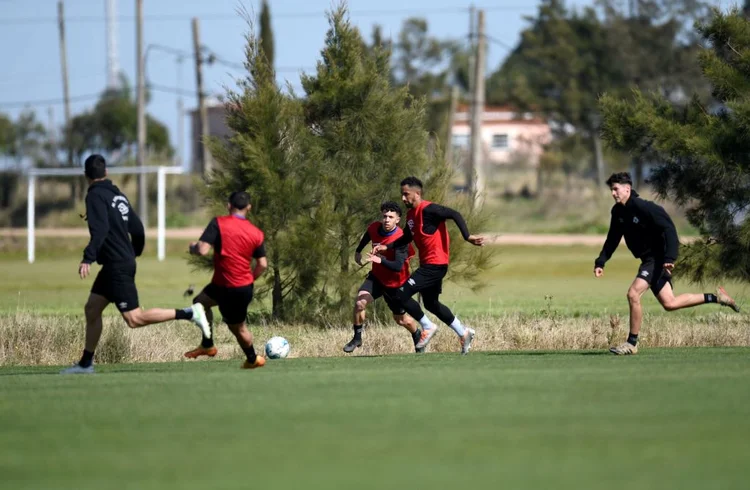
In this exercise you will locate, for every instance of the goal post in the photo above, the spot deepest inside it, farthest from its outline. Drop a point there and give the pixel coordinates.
(161, 172)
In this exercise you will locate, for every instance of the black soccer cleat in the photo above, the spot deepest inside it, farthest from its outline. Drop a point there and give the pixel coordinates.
(416, 336)
(353, 344)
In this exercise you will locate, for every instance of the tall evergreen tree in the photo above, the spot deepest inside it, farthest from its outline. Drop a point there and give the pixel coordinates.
(702, 150)
(266, 33)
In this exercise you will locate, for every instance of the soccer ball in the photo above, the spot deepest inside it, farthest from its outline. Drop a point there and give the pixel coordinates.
(277, 348)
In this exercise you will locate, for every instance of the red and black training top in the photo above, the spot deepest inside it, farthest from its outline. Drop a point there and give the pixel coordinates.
(236, 241)
(393, 271)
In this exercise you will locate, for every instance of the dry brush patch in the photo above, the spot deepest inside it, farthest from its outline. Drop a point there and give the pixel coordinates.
(31, 339)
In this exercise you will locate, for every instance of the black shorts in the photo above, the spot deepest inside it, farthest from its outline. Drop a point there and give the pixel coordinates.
(427, 279)
(233, 302)
(376, 289)
(652, 271)
(116, 282)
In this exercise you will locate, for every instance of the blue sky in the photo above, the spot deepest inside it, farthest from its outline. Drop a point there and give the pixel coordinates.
(30, 50)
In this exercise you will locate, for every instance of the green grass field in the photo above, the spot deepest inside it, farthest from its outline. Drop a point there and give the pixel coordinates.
(578, 420)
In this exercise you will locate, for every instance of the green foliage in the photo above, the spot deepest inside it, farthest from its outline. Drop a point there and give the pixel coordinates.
(702, 150)
(266, 33)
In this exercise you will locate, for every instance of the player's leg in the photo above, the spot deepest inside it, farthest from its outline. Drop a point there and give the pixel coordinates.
(665, 294)
(635, 292)
(368, 292)
(403, 296)
(233, 307)
(93, 311)
(431, 301)
(207, 348)
(401, 318)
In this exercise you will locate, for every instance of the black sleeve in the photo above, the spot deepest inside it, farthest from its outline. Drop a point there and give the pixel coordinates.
(403, 240)
(614, 235)
(137, 232)
(97, 215)
(434, 211)
(398, 262)
(363, 242)
(260, 251)
(665, 225)
(211, 233)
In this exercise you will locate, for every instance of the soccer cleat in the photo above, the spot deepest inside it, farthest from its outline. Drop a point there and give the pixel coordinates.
(353, 344)
(624, 349)
(200, 319)
(725, 300)
(260, 361)
(201, 351)
(419, 350)
(415, 338)
(466, 340)
(427, 334)
(78, 369)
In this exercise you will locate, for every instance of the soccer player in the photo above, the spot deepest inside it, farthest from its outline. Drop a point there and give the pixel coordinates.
(111, 219)
(426, 227)
(651, 236)
(236, 242)
(390, 271)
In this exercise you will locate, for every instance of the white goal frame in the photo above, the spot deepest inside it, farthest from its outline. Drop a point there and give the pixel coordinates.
(161, 185)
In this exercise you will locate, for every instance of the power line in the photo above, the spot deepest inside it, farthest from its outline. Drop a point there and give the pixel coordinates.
(284, 15)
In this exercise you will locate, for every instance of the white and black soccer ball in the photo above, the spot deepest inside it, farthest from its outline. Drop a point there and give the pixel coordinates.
(277, 348)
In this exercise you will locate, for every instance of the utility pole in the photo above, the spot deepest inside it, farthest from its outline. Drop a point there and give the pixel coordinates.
(180, 116)
(52, 137)
(476, 164)
(472, 64)
(141, 101)
(451, 121)
(203, 119)
(64, 67)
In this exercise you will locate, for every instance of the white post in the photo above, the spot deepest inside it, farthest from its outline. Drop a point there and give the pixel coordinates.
(161, 212)
(30, 210)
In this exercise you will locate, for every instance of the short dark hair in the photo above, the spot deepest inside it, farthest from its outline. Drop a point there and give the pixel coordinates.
(239, 199)
(412, 182)
(390, 206)
(95, 167)
(619, 178)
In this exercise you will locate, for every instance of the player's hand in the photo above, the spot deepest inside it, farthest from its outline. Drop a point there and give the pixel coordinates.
(598, 271)
(379, 248)
(358, 259)
(374, 258)
(193, 248)
(669, 267)
(84, 269)
(477, 240)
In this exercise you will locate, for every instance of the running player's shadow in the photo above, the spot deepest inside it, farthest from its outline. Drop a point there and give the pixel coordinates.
(551, 353)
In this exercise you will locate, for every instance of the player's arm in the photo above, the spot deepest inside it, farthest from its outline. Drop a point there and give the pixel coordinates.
(397, 263)
(614, 235)
(207, 239)
(98, 219)
(437, 213)
(261, 262)
(664, 223)
(362, 244)
(137, 232)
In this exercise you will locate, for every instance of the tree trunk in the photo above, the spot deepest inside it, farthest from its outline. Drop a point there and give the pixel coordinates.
(638, 172)
(277, 294)
(599, 159)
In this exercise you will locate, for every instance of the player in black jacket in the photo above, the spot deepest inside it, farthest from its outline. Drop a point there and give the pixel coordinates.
(651, 236)
(112, 222)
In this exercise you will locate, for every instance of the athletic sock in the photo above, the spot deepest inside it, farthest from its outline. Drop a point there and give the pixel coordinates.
(426, 323)
(458, 327)
(86, 359)
(184, 313)
(633, 339)
(250, 353)
(417, 335)
(710, 298)
(207, 343)
(358, 332)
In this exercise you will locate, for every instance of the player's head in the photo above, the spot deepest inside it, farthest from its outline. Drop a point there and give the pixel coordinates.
(95, 168)
(620, 184)
(239, 202)
(391, 215)
(411, 191)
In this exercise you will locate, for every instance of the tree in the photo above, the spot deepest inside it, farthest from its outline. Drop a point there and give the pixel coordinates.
(266, 33)
(23, 141)
(702, 150)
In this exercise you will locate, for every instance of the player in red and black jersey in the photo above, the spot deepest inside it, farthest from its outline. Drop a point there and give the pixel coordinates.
(426, 227)
(390, 270)
(236, 242)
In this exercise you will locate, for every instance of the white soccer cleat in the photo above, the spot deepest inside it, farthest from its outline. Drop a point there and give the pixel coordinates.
(427, 334)
(200, 319)
(78, 369)
(466, 340)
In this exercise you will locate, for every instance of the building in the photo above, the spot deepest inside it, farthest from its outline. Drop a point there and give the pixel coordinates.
(217, 126)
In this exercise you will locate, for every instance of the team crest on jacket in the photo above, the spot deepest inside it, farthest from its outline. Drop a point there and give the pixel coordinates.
(121, 204)
(635, 220)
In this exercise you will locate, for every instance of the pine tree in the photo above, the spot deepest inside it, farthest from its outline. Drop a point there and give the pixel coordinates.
(702, 149)
(266, 33)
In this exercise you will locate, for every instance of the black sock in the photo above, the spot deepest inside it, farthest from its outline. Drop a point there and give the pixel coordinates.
(184, 314)
(417, 335)
(710, 298)
(358, 332)
(250, 353)
(633, 339)
(207, 343)
(86, 359)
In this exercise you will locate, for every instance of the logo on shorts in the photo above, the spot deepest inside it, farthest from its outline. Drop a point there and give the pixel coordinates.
(411, 224)
(635, 220)
(411, 281)
(644, 273)
(122, 305)
(121, 203)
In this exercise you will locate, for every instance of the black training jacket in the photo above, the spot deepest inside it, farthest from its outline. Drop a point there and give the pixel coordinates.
(111, 219)
(647, 228)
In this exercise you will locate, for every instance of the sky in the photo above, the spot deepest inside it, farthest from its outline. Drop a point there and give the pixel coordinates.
(30, 54)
